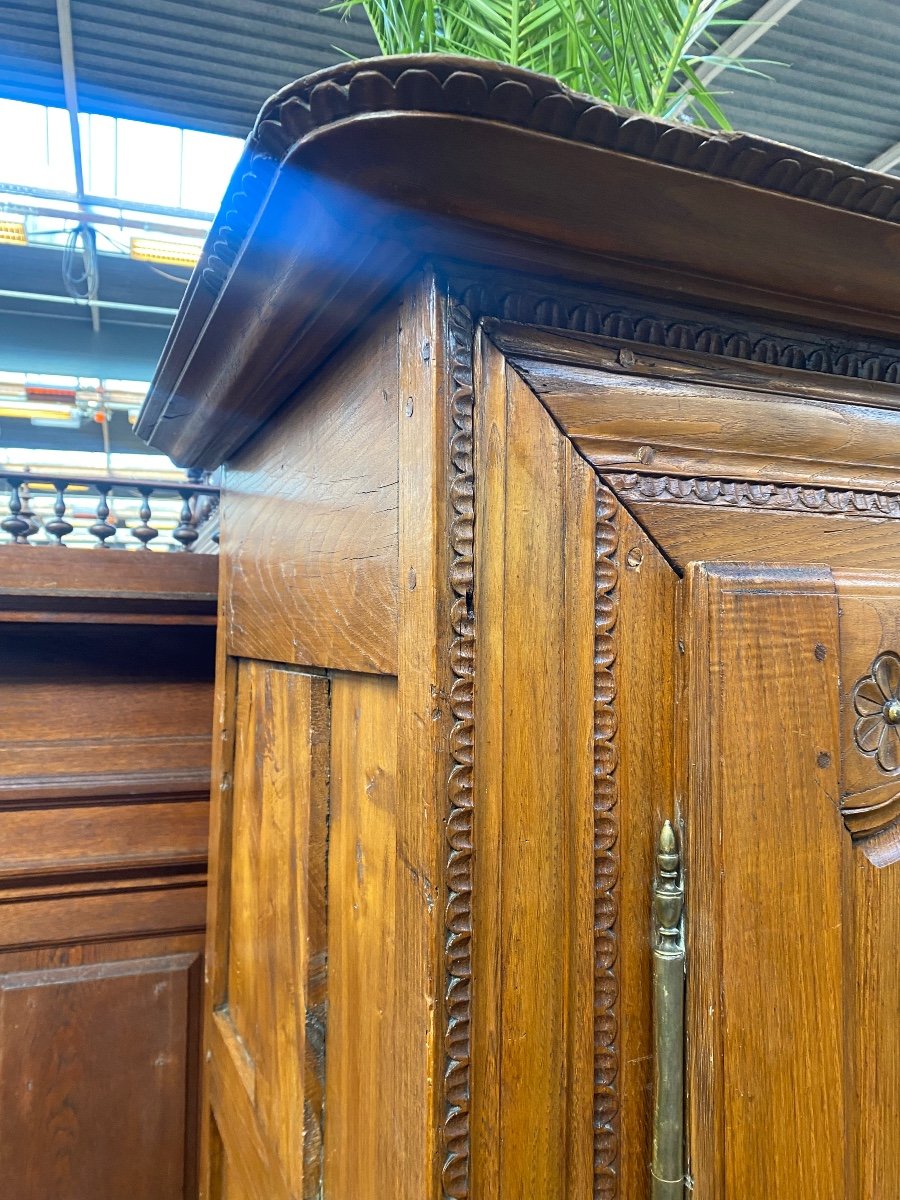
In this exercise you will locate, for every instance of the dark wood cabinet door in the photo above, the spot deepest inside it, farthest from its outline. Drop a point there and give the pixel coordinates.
(99, 1069)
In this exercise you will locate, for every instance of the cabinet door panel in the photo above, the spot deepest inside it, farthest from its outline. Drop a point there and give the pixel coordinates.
(265, 1073)
(794, 1073)
(575, 611)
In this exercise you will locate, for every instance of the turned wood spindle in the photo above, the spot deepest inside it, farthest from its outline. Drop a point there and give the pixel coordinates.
(58, 526)
(145, 532)
(102, 529)
(28, 514)
(184, 532)
(16, 525)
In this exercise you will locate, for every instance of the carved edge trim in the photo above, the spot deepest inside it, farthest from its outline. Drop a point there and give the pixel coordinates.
(606, 852)
(500, 93)
(729, 493)
(458, 930)
(580, 314)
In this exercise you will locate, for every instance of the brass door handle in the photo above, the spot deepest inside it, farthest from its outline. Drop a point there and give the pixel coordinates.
(667, 1164)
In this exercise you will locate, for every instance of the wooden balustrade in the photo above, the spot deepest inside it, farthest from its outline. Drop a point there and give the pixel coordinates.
(50, 508)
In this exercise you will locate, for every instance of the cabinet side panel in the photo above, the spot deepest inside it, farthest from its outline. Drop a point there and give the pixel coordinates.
(427, 689)
(265, 1022)
(365, 1080)
(309, 519)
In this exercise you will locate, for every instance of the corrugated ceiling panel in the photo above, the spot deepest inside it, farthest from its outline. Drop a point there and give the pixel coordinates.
(211, 65)
(206, 66)
(840, 93)
(29, 52)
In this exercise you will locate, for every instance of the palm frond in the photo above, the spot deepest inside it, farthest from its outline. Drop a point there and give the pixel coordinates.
(642, 54)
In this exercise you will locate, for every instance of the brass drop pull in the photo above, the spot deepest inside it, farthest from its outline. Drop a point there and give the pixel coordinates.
(667, 1166)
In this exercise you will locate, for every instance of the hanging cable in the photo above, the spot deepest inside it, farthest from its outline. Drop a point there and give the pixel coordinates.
(80, 266)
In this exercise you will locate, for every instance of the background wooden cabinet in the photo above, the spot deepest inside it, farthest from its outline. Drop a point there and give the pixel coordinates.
(106, 703)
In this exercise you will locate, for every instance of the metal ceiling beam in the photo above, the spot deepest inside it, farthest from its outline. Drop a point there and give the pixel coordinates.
(82, 216)
(737, 45)
(887, 160)
(121, 305)
(156, 210)
(70, 88)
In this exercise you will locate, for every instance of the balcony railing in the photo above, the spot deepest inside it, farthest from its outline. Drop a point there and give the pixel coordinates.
(110, 512)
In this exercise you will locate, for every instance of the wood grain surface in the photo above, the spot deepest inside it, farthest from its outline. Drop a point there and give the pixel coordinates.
(424, 689)
(90, 710)
(533, 1029)
(270, 989)
(764, 859)
(309, 520)
(625, 420)
(645, 633)
(702, 533)
(365, 1058)
(106, 702)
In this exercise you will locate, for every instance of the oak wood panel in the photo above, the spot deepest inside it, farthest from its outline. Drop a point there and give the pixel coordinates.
(309, 519)
(703, 533)
(60, 1116)
(48, 841)
(275, 988)
(561, 351)
(645, 635)
(98, 1070)
(874, 1044)
(96, 884)
(366, 1058)
(764, 845)
(213, 1166)
(670, 426)
(105, 698)
(533, 1051)
(265, 1021)
(428, 436)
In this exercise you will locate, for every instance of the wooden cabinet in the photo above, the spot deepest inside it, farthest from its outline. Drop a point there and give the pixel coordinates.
(562, 480)
(106, 664)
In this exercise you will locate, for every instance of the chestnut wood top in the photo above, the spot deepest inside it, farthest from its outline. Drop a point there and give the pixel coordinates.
(355, 174)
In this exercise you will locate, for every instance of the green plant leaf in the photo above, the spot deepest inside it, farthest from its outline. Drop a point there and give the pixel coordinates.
(643, 54)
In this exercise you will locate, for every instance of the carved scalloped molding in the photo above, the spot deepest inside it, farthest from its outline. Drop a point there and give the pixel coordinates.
(493, 92)
(606, 853)
(729, 493)
(458, 921)
(632, 320)
(458, 928)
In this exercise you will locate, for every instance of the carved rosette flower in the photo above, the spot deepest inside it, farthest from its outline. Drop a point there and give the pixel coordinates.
(876, 702)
